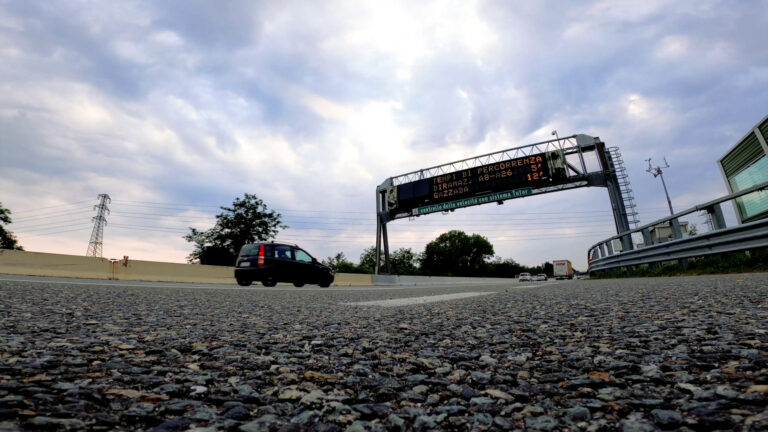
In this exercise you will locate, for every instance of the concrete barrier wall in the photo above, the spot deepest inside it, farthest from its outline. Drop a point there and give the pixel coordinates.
(56, 265)
(172, 272)
(44, 264)
(349, 279)
(433, 280)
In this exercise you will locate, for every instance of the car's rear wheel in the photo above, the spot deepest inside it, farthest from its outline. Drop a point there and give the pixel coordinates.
(298, 284)
(269, 282)
(244, 282)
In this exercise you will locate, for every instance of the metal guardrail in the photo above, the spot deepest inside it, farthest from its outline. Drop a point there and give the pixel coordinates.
(721, 239)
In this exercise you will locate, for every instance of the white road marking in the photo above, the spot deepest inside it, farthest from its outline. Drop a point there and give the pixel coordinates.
(420, 300)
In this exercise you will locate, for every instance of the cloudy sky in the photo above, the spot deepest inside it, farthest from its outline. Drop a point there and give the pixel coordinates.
(175, 108)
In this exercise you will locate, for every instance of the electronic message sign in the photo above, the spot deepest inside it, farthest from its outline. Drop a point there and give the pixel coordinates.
(492, 182)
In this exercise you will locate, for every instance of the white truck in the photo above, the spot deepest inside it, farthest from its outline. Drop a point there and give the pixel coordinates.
(563, 269)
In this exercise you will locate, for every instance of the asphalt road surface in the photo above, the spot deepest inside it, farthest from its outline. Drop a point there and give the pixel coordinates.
(633, 355)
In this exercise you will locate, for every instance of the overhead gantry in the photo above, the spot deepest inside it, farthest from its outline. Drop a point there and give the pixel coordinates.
(533, 169)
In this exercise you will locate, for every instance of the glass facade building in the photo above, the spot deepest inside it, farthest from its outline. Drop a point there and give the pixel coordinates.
(745, 165)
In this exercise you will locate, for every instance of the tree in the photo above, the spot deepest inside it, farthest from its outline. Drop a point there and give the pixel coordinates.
(403, 262)
(334, 261)
(456, 254)
(7, 239)
(339, 264)
(248, 221)
(368, 259)
(504, 268)
(548, 268)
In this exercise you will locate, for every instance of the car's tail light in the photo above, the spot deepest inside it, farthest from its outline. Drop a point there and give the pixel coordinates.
(260, 261)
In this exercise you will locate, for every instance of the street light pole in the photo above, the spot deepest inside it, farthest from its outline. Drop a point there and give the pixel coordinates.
(657, 172)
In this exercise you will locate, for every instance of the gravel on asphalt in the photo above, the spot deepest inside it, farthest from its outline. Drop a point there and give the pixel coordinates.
(687, 354)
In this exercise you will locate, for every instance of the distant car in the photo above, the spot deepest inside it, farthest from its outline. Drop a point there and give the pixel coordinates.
(270, 263)
(524, 277)
(541, 277)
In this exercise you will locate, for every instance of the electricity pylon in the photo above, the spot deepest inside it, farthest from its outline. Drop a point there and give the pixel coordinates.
(97, 235)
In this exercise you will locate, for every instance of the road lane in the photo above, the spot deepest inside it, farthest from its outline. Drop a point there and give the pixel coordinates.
(257, 287)
(639, 354)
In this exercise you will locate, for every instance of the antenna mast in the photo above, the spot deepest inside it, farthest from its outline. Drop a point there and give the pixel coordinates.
(97, 235)
(657, 172)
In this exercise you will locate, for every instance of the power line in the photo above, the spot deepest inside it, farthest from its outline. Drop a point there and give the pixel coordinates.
(354, 233)
(48, 207)
(422, 241)
(55, 233)
(168, 207)
(342, 226)
(475, 222)
(345, 221)
(179, 220)
(325, 211)
(423, 231)
(50, 228)
(477, 227)
(148, 228)
(155, 214)
(37, 225)
(50, 215)
(363, 226)
(176, 206)
(312, 224)
(183, 205)
(331, 220)
(332, 226)
(564, 235)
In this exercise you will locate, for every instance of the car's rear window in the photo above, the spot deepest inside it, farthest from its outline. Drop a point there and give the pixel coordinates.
(250, 249)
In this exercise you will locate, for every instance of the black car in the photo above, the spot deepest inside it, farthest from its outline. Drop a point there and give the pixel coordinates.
(271, 263)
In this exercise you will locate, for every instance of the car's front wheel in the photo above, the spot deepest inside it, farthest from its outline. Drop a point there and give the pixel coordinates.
(244, 282)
